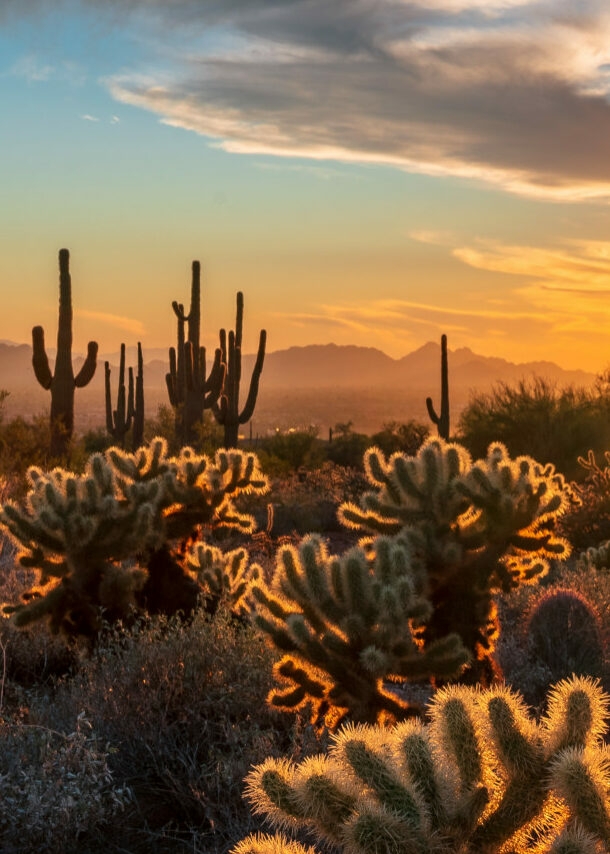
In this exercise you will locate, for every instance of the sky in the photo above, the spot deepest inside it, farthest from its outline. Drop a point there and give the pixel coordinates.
(370, 172)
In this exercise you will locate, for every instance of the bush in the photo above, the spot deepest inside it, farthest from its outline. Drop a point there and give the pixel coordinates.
(537, 418)
(183, 708)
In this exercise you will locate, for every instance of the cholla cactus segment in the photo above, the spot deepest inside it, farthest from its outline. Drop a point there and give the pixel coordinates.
(506, 787)
(225, 576)
(264, 843)
(346, 624)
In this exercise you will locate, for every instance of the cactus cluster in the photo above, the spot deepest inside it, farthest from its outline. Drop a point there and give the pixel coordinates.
(190, 391)
(477, 527)
(347, 625)
(482, 777)
(90, 536)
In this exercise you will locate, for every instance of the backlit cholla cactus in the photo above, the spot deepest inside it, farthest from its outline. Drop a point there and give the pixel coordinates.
(482, 777)
(477, 527)
(223, 576)
(346, 625)
(87, 533)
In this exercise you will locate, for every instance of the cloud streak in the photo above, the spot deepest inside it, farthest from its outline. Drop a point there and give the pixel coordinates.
(128, 324)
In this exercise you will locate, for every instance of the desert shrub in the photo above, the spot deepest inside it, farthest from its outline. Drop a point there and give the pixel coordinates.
(183, 708)
(587, 522)
(305, 501)
(535, 417)
(290, 450)
(347, 448)
(405, 438)
(58, 793)
(23, 443)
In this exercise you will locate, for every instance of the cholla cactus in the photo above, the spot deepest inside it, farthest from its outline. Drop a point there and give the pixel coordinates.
(223, 576)
(477, 526)
(86, 533)
(347, 624)
(481, 778)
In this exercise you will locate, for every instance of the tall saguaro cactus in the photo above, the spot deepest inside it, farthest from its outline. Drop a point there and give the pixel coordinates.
(442, 420)
(138, 414)
(227, 411)
(62, 382)
(190, 393)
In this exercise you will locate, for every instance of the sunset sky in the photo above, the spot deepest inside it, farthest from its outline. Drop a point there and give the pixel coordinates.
(372, 172)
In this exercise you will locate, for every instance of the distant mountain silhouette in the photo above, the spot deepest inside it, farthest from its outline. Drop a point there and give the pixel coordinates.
(320, 383)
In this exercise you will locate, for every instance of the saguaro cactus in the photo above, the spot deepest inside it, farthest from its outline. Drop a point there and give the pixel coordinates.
(190, 393)
(138, 414)
(442, 420)
(62, 382)
(483, 777)
(227, 412)
(118, 421)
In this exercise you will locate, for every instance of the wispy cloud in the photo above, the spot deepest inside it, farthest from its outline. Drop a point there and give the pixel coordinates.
(569, 283)
(128, 324)
(89, 118)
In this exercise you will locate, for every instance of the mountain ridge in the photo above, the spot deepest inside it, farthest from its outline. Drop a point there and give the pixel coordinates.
(320, 384)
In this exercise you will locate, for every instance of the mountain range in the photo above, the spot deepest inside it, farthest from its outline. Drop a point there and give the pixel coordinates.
(320, 384)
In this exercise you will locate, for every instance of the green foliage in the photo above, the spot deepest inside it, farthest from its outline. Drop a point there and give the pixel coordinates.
(182, 708)
(537, 418)
(346, 625)
(482, 777)
(62, 382)
(346, 448)
(55, 788)
(476, 526)
(404, 438)
(83, 533)
(288, 451)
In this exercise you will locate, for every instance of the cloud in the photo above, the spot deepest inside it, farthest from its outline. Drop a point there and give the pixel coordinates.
(569, 283)
(128, 324)
(511, 93)
(89, 118)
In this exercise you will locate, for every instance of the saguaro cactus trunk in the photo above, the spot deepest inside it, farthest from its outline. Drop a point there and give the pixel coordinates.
(62, 382)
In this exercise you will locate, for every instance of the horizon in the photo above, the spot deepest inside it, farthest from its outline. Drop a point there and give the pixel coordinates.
(370, 174)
